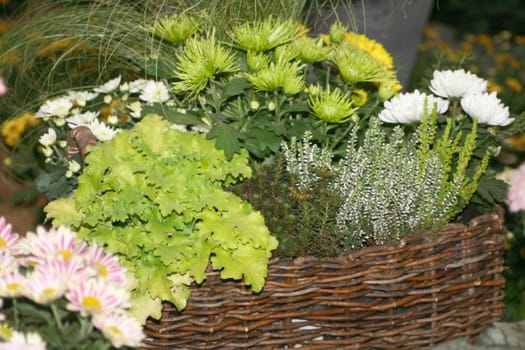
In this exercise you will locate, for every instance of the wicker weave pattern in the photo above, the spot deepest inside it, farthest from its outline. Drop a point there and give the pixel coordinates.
(407, 297)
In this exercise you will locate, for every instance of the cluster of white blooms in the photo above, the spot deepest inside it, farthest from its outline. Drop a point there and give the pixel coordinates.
(447, 85)
(104, 109)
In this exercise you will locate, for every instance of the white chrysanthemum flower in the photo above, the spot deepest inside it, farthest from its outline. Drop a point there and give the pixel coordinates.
(154, 92)
(108, 99)
(486, 108)
(108, 86)
(82, 97)
(59, 107)
(49, 138)
(137, 85)
(409, 107)
(81, 119)
(136, 109)
(73, 166)
(457, 83)
(102, 131)
(112, 119)
(47, 151)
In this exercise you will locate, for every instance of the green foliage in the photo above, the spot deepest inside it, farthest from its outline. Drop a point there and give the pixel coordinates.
(153, 196)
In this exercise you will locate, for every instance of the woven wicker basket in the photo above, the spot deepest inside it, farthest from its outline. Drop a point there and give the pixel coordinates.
(408, 297)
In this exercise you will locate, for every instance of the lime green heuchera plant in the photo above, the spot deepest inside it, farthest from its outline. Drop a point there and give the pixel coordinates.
(154, 197)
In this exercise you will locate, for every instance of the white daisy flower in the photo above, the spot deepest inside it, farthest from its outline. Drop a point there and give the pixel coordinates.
(486, 108)
(457, 83)
(82, 97)
(49, 138)
(108, 86)
(81, 119)
(137, 85)
(154, 91)
(59, 107)
(409, 107)
(136, 109)
(21, 341)
(73, 166)
(102, 131)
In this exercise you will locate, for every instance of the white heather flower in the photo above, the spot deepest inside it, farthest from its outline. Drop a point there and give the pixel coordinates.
(81, 119)
(21, 341)
(136, 85)
(59, 107)
(82, 97)
(108, 86)
(154, 91)
(73, 166)
(457, 83)
(409, 107)
(486, 108)
(102, 131)
(136, 109)
(120, 329)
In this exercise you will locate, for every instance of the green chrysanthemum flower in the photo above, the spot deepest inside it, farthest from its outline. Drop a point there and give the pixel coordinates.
(337, 31)
(282, 74)
(266, 34)
(202, 60)
(175, 28)
(310, 50)
(332, 106)
(355, 65)
(257, 60)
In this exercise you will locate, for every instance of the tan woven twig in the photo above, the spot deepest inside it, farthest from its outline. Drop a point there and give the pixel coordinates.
(408, 297)
(78, 139)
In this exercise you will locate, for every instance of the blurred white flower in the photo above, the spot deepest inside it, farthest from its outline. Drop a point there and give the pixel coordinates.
(58, 107)
(409, 107)
(457, 83)
(21, 341)
(73, 166)
(154, 92)
(82, 97)
(49, 138)
(102, 131)
(81, 119)
(486, 108)
(137, 85)
(135, 108)
(108, 86)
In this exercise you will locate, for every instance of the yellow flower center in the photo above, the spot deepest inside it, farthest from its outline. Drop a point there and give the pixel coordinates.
(91, 302)
(12, 286)
(3, 243)
(49, 292)
(66, 254)
(102, 271)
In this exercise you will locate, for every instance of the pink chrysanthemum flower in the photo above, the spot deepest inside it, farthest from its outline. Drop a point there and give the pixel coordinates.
(73, 270)
(92, 297)
(12, 285)
(8, 239)
(106, 265)
(516, 194)
(59, 242)
(8, 263)
(120, 329)
(45, 285)
(21, 341)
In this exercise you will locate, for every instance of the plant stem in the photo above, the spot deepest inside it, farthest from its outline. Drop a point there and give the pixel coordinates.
(56, 315)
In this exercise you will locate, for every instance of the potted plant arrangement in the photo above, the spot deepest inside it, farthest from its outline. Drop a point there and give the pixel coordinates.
(293, 163)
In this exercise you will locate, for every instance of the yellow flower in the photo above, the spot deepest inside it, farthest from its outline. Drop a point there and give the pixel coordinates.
(514, 84)
(359, 97)
(372, 47)
(13, 129)
(58, 45)
(493, 86)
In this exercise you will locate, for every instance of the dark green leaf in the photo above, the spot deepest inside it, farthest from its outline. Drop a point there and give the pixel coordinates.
(226, 138)
(234, 87)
